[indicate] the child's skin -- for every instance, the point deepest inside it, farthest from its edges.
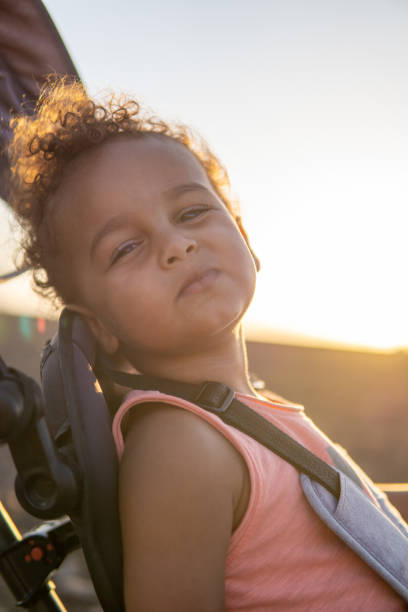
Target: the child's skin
(164, 274)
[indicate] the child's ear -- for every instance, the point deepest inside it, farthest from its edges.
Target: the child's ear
(106, 340)
(245, 237)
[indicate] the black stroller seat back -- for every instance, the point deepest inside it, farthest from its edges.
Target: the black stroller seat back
(79, 420)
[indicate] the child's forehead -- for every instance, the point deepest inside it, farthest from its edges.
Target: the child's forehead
(148, 160)
(125, 169)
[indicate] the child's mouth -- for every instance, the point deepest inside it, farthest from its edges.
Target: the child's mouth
(199, 282)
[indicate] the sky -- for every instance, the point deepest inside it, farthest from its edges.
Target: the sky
(306, 103)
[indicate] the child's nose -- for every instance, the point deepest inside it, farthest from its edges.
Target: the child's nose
(176, 249)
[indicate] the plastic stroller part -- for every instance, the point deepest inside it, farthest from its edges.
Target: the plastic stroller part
(45, 485)
(80, 423)
(27, 561)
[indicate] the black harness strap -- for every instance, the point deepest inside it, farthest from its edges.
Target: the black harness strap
(220, 400)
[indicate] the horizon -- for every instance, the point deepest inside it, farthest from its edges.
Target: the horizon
(252, 333)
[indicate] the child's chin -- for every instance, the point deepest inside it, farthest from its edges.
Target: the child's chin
(222, 325)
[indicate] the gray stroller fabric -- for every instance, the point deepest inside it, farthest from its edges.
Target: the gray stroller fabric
(375, 535)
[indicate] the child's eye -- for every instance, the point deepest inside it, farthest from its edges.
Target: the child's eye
(193, 213)
(124, 249)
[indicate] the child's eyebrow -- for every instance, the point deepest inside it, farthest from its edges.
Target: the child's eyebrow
(178, 190)
(113, 224)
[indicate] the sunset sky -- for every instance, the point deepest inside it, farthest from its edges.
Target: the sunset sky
(306, 103)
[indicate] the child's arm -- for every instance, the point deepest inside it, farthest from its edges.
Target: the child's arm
(180, 488)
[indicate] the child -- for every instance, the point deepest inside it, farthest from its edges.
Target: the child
(129, 221)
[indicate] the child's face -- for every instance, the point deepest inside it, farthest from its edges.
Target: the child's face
(158, 263)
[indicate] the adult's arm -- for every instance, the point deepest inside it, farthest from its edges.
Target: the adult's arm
(30, 49)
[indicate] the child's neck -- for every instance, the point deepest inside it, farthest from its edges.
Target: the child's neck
(227, 363)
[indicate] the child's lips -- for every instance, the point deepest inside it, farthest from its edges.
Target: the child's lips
(199, 282)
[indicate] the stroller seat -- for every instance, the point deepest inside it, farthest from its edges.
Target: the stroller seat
(79, 420)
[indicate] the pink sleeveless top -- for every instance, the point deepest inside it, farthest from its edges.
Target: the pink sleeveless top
(282, 557)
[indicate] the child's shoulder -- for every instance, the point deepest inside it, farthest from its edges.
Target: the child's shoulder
(170, 425)
(166, 439)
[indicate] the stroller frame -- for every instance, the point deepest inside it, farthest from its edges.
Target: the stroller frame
(63, 449)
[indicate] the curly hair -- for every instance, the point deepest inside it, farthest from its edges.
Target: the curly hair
(66, 123)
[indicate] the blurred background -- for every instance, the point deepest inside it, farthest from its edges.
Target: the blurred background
(307, 106)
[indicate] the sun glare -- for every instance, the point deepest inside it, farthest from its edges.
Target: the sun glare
(333, 255)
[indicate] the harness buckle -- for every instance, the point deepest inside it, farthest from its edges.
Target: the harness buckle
(215, 396)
